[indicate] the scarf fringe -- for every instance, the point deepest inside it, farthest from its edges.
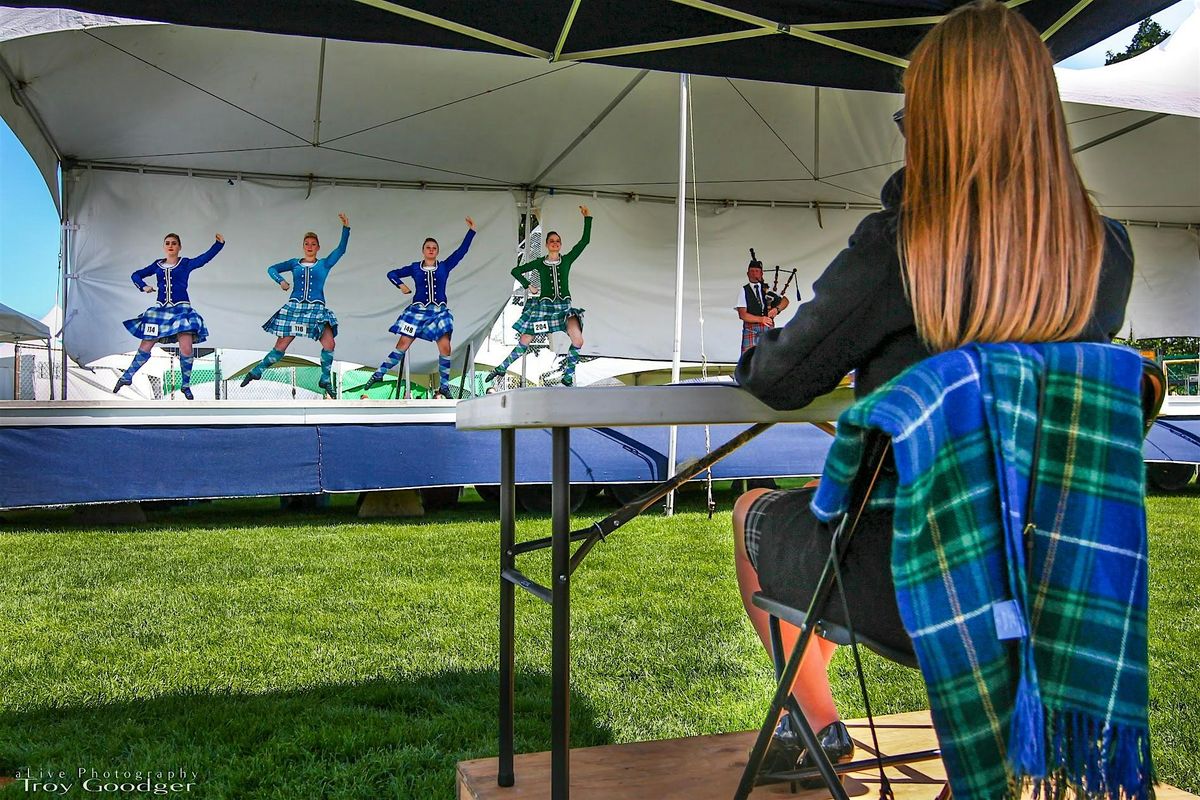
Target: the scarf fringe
(1090, 760)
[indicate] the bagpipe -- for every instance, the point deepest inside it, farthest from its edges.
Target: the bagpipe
(774, 296)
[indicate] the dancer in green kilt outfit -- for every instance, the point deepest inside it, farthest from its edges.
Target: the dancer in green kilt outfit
(552, 311)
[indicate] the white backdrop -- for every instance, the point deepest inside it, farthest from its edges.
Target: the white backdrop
(624, 279)
(123, 217)
(1166, 283)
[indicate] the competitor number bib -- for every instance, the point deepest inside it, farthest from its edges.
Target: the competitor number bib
(151, 329)
(541, 327)
(408, 329)
(299, 329)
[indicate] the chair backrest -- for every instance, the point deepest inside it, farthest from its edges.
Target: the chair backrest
(1154, 390)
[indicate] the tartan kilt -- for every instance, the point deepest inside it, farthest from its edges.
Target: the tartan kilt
(301, 318)
(429, 322)
(165, 323)
(750, 333)
(553, 313)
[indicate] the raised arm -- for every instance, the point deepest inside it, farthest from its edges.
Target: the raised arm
(202, 259)
(139, 277)
(585, 238)
(458, 254)
(340, 250)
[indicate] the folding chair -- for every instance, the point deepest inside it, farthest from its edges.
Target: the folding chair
(809, 621)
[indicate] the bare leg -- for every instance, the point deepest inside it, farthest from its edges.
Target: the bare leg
(811, 689)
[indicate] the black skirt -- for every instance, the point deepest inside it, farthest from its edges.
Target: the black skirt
(788, 546)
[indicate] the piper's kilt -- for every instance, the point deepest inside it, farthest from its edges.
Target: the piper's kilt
(428, 322)
(546, 315)
(301, 318)
(165, 323)
(750, 333)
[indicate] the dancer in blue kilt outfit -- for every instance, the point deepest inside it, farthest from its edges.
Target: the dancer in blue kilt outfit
(427, 316)
(172, 318)
(305, 313)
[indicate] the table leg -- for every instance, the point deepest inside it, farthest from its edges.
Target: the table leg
(560, 705)
(508, 524)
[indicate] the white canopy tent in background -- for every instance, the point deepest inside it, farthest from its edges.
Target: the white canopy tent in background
(18, 327)
(156, 120)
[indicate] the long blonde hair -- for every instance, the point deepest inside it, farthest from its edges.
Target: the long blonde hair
(999, 240)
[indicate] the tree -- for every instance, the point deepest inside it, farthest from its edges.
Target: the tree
(1148, 34)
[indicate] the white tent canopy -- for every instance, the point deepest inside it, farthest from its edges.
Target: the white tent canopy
(1165, 78)
(17, 327)
(154, 122)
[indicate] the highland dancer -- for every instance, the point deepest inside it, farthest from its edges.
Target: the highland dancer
(427, 316)
(552, 311)
(172, 318)
(305, 314)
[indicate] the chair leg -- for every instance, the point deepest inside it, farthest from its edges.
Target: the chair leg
(782, 695)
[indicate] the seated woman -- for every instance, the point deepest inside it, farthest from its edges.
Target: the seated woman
(986, 235)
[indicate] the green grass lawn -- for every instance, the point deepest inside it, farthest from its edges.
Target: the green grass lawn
(289, 655)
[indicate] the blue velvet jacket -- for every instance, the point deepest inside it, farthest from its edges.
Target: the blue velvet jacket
(431, 283)
(173, 281)
(308, 280)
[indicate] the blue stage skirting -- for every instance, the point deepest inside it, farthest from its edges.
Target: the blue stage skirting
(53, 465)
(1173, 439)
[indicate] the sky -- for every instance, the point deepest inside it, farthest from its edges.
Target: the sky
(29, 223)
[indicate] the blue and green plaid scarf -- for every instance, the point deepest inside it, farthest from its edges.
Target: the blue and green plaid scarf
(1035, 659)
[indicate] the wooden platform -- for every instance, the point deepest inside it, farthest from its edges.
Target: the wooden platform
(708, 768)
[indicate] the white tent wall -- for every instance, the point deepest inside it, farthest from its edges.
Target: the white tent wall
(624, 280)
(122, 218)
(1166, 283)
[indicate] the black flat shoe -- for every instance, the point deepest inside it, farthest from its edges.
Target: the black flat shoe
(838, 746)
(187, 392)
(121, 384)
(249, 376)
(787, 751)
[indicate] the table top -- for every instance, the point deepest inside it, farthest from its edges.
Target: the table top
(620, 406)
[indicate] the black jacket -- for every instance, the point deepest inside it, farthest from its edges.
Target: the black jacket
(860, 317)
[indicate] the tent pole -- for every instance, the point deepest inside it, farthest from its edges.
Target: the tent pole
(681, 205)
(64, 261)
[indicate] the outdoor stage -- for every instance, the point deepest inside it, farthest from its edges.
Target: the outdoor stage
(65, 453)
(708, 768)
